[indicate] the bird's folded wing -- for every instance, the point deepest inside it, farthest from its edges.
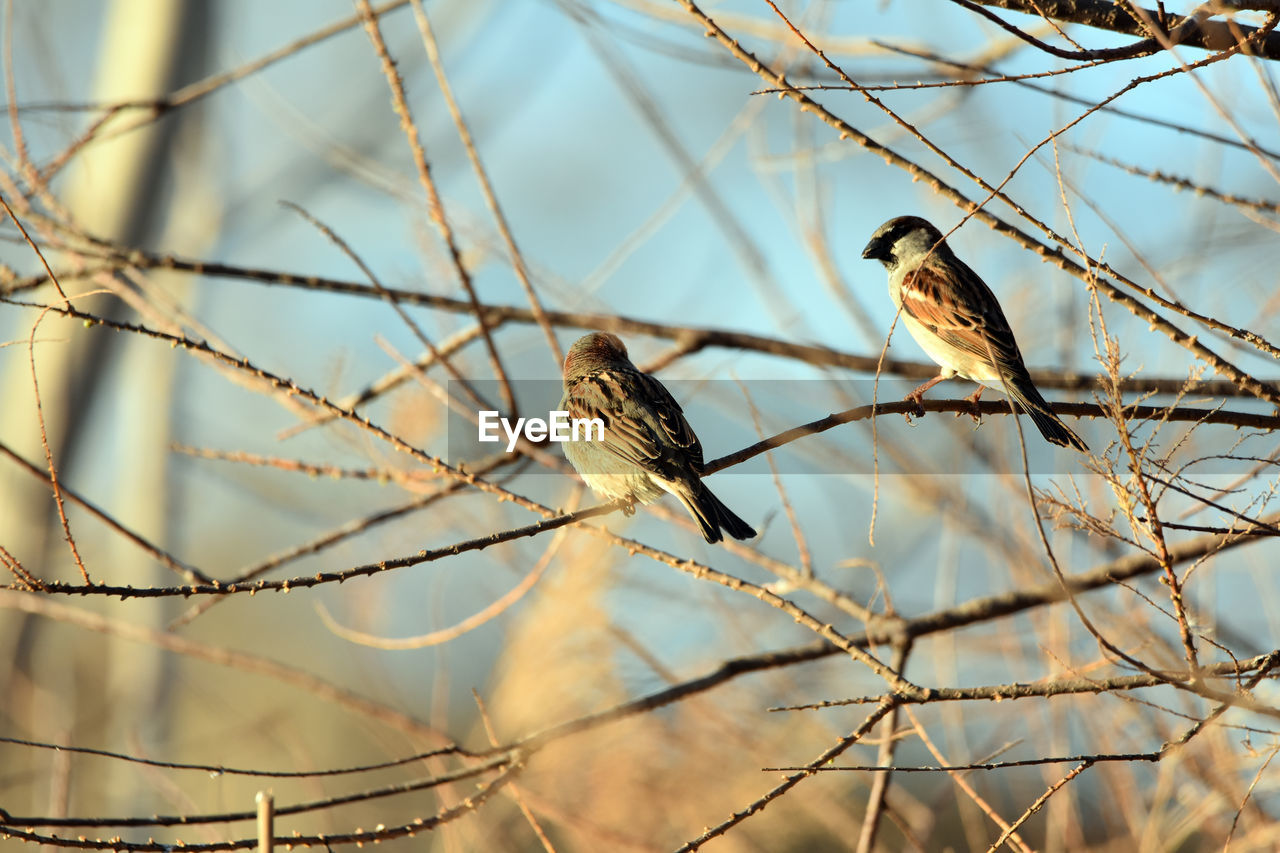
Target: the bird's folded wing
(643, 423)
(670, 417)
(962, 312)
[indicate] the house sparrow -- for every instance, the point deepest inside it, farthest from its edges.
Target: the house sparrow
(956, 319)
(648, 447)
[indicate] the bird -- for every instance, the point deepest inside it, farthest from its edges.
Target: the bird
(648, 447)
(957, 321)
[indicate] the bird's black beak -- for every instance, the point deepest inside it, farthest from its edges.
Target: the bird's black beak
(877, 250)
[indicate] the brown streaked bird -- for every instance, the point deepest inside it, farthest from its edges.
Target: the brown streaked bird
(649, 448)
(957, 321)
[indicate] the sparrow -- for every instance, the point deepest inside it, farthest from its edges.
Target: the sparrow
(648, 447)
(957, 321)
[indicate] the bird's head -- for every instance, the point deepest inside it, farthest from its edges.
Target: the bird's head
(592, 352)
(901, 238)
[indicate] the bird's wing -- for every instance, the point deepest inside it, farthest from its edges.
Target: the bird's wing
(670, 418)
(643, 423)
(961, 310)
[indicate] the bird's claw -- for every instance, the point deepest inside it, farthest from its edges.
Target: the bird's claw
(976, 411)
(917, 404)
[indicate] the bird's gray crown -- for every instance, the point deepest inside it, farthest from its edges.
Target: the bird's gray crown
(902, 237)
(592, 352)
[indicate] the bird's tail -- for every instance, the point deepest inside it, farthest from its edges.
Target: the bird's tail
(1049, 424)
(711, 513)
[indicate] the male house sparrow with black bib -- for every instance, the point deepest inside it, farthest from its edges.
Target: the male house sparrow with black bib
(648, 447)
(955, 318)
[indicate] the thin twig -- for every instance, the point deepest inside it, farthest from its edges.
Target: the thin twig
(486, 188)
(435, 206)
